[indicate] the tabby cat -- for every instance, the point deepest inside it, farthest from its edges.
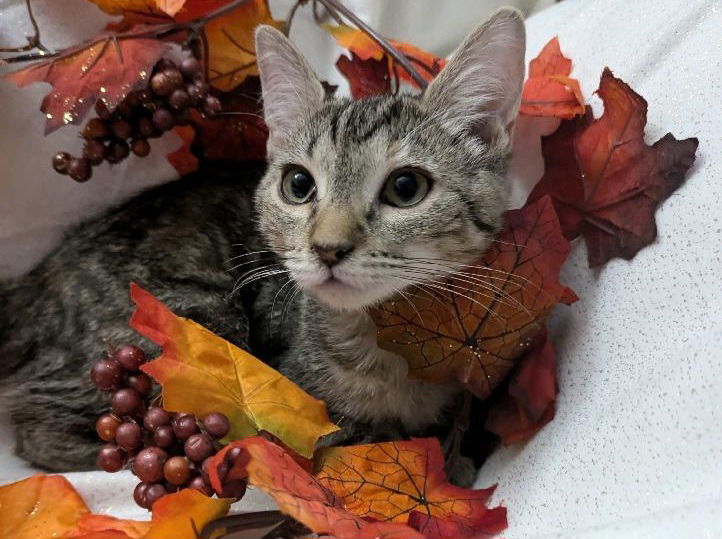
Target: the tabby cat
(360, 200)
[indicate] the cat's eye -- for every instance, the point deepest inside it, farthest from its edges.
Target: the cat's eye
(405, 188)
(298, 186)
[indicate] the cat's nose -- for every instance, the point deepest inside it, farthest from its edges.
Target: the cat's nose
(332, 254)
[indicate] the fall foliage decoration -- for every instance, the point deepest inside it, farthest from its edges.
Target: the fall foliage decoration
(224, 419)
(549, 90)
(225, 379)
(404, 481)
(475, 336)
(605, 181)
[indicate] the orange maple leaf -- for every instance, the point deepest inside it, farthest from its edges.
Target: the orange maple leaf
(202, 373)
(107, 527)
(549, 90)
(473, 328)
(365, 48)
(605, 181)
(278, 472)
(105, 68)
(184, 513)
(390, 481)
(39, 507)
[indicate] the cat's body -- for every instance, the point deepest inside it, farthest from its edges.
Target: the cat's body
(360, 201)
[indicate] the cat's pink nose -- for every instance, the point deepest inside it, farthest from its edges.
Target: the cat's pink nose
(332, 254)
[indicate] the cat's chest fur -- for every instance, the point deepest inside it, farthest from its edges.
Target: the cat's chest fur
(336, 359)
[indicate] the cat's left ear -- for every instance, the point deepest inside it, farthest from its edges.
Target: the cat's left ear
(291, 90)
(479, 90)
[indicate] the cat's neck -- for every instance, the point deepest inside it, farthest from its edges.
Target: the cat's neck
(336, 358)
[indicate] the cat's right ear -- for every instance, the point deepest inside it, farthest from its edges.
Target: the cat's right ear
(290, 87)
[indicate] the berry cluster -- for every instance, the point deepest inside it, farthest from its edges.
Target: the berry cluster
(166, 451)
(143, 114)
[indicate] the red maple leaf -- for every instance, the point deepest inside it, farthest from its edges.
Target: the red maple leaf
(531, 398)
(105, 68)
(277, 471)
(475, 337)
(365, 77)
(605, 181)
(549, 90)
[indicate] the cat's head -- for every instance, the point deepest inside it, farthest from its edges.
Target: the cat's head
(362, 199)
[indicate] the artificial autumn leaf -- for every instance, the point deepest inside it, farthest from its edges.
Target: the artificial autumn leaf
(531, 399)
(475, 335)
(107, 527)
(183, 159)
(105, 68)
(149, 7)
(388, 481)
(365, 77)
(239, 133)
(202, 373)
(605, 181)
(298, 494)
(365, 48)
(184, 513)
(549, 90)
(231, 43)
(39, 507)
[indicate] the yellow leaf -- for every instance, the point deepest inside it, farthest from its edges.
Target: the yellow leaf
(39, 507)
(107, 527)
(202, 373)
(231, 45)
(183, 514)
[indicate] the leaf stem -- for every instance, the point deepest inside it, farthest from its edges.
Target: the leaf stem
(335, 7)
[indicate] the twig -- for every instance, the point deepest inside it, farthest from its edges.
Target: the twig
(34, 40)
(335, 7)
(158, 31)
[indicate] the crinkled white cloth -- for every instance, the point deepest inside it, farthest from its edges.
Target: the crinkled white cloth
(636, 447)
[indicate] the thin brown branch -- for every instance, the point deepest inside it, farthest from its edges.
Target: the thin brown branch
(33, 40)
(335, 6)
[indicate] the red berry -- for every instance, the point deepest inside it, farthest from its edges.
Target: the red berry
(111, 458)
(154, 493)
(177, 470)
(139, 494)
(130, 357)
(184, 425)
(198, 447)
(140, 147)
(232, 455)
(216, 424)
(94, 151)
(141, 383)
(106, 426)
(190, 67)
(156, 417)
(96, 129)
(129, 436)
(116, 151)
(106, 374)
(163, 119)
(79, 170)
(179, 99)
(148, 464)
(145, 127)
(163, 436)
(61, 160)
(126, 401)
(121, 129)
(212, 106)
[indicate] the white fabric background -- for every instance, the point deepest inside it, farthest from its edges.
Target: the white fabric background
(636, 447)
